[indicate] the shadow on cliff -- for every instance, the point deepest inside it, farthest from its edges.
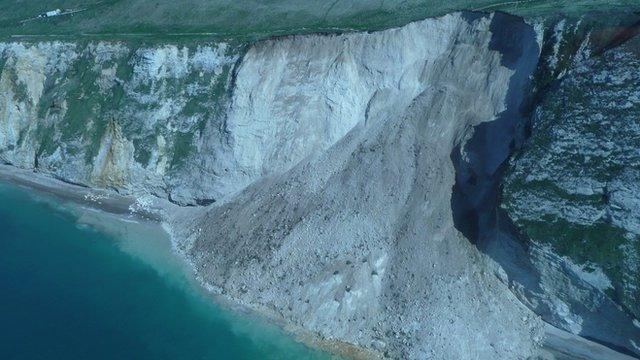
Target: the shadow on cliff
(480, 164)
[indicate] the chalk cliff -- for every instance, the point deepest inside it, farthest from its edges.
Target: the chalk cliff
(357, 243)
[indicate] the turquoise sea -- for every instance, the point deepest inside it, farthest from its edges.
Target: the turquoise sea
(76, 284)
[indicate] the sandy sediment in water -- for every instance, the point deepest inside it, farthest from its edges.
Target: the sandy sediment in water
(127, 216)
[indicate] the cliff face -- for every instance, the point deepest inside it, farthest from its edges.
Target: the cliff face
(357, 243)
(189, 124)
(573, 191)
(110, 115)
(184, 123)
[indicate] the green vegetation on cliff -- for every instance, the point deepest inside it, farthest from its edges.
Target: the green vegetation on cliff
(253, 19)
(575, 185)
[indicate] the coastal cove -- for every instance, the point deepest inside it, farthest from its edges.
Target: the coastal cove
(80, 283)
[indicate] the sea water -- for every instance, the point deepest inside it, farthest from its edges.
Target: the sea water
(79, 284)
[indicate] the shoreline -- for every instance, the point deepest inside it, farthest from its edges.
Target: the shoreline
(101, 199)
(306, 337)
(154, 211)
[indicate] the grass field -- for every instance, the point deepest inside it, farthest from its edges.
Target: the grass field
(252, 19)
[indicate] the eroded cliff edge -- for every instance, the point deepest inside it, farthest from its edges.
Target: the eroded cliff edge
(330, 162)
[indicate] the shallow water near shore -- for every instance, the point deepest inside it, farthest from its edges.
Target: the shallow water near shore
(80, 284)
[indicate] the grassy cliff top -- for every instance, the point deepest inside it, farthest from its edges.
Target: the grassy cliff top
(250, 19)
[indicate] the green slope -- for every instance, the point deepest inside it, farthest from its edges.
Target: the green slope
(251, 19)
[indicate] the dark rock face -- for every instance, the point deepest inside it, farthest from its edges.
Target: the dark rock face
(574, 191)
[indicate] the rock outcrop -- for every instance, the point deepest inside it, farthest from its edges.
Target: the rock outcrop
(573, 193)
